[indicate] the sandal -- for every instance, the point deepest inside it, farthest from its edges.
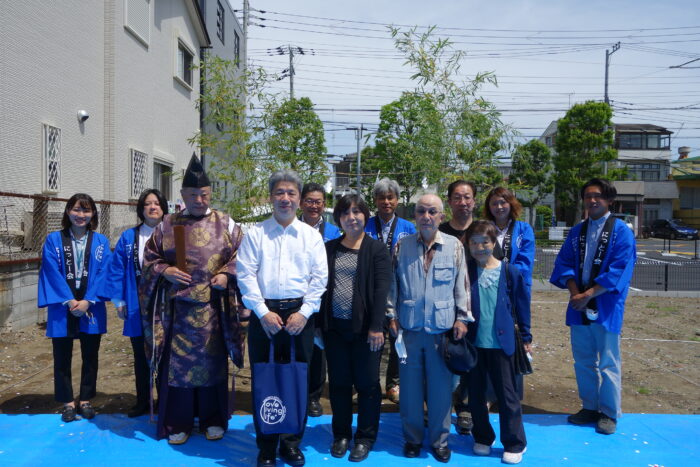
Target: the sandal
(214, 433)
(178, 438)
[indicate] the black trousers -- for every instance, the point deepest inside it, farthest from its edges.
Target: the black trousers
(317, 373)
(141, 371)
(392, 368)
(494, 364)
(352, 363)
(62, 360)
(259, 351)
(205, 402)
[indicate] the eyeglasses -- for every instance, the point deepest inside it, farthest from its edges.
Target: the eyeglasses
(462, 198)
(313, 202)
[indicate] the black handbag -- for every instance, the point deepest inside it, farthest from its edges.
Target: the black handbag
(521, 361)
(459, 354)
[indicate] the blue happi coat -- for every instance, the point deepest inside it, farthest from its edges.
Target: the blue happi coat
(121, 281)
(54, 290)
(403, 229)
(615, 274)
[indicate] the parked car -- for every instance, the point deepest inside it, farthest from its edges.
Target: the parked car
(673, 229)
(627, 219)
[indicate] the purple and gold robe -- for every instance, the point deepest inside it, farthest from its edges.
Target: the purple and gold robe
(195, 327)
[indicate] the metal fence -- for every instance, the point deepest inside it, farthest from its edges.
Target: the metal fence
(25, 220)
(649, 274)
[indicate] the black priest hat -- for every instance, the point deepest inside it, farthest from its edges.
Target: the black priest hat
(195, 176)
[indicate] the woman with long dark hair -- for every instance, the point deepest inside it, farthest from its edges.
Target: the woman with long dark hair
(72, 263)
(121, 287)
(352, 318)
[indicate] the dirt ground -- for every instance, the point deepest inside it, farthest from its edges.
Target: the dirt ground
(660, 354)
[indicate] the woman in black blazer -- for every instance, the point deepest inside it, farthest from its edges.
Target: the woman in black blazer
(352, 318)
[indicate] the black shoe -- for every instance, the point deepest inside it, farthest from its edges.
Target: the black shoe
(442, 454)
(266, 459)
(86, 411)
(359, 452)
(315, 408)
(464, 424)
(606, 425)
(584, 417)
(411, 450)
(68, 414)
(137, 410)
(292, 456)
(339, 447)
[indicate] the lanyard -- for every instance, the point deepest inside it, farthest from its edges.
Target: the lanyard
(380, 235)
(600, 251)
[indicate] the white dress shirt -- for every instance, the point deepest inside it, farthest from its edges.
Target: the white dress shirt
(276, 262)
(145, 233)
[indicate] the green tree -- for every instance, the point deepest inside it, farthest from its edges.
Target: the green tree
(409, 142)
(474, 134)
(532, 173)
(236, 103)
(295, 139)
(584, 149)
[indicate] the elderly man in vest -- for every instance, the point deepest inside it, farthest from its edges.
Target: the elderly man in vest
(430, 296)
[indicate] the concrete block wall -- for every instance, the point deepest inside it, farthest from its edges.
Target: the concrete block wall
(18, 297)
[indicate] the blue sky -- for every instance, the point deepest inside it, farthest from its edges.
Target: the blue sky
(546, 55)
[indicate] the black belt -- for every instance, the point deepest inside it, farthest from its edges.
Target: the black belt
(284, 304)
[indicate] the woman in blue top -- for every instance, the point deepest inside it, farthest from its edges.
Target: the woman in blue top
(72, 264)
(516, 239)
(123, 274)
(497, 291)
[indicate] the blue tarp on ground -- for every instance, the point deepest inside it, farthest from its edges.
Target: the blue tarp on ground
(115, 440)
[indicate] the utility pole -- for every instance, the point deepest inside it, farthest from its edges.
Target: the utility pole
(291, 71)
(358, 135)
(615, 48)
(246, 18)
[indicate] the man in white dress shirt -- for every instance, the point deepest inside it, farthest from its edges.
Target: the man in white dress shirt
(282, 274)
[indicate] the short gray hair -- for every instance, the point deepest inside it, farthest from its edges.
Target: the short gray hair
(285, 175)
(385, 185)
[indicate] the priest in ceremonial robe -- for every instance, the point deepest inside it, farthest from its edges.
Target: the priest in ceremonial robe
(190, 315)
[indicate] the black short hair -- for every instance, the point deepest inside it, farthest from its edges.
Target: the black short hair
(346, 202)
(86, 202)
(607, 189)
(141, 203)
(451, 187)
(311, 187)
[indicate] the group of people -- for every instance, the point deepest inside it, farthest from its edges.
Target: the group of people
(334, 296)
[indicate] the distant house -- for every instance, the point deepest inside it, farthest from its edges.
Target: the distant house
(686, 173)
(645, 150)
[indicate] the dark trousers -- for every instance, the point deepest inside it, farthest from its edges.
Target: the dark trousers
(206, 402)
(352, 363)
(141, 371)
(62, 359)
(259, 351)
(392, 368)
(317, 373)
(460, 396)
(494, 364)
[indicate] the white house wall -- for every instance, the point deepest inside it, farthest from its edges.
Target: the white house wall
(51, 66)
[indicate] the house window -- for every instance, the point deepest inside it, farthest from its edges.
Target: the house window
(220, 21)
(137, 19)
(689, 198)
(52, 158)
(138, 172)
(644, 171)
(185, 59)
(237, 48)
(162, 178)
(629, 141)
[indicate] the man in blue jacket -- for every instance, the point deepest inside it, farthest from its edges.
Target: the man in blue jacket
(389, 228)
(596, 263)
(313, 204)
